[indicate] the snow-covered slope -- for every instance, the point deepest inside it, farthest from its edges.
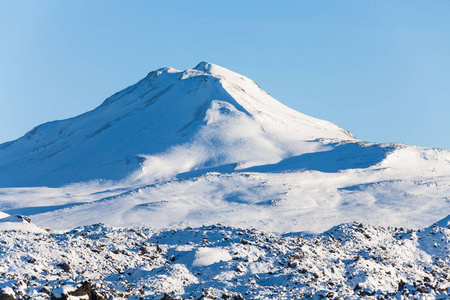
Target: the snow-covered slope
(169, 122)
(207, 145)
(350, 261)
(184, 149)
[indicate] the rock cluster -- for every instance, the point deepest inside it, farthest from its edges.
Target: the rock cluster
(350, 261)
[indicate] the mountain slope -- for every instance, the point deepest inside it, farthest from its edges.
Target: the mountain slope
(208, 146)
(174, 121)
(206, 169)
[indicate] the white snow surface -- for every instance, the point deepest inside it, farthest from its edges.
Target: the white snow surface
(350, 261)
(207, 256)
(206, 146)
(171, 122)
(18, 222)
(215, 190)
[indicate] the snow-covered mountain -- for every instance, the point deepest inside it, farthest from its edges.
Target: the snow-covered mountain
(174, 155)
(207, 145)
(169, 122)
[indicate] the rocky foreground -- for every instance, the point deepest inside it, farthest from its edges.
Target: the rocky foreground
(350, 261)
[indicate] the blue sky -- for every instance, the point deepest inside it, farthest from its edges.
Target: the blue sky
(380, 69)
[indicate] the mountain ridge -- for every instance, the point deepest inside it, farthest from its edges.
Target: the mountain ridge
(179, 104)
(186, 148)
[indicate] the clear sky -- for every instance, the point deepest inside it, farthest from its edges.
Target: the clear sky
(380, 69)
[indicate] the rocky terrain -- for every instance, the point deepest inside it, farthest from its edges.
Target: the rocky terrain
(349, 261)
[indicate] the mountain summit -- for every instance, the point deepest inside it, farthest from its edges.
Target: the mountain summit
(169, 122)
(206, 146)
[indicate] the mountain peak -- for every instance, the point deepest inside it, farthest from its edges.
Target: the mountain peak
(209, 68)
(170, 122)
(203, 66)
(215, 70)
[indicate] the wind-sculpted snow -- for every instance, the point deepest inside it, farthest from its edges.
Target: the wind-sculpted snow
(281, 202)
(207, 145)
(339, 157)
(350, 261)
(168, 123)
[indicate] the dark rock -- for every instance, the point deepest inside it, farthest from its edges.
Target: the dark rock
(30, 259)
(65, 266)
(85, 289)
(167, 297)
(6, 296)
(143, 250)
(401, 285)
(23, 218)
(422, 289)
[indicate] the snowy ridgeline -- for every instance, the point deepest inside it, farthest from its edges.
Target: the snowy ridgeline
(349, 261)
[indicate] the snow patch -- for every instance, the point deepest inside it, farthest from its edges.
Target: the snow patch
(207, 256)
